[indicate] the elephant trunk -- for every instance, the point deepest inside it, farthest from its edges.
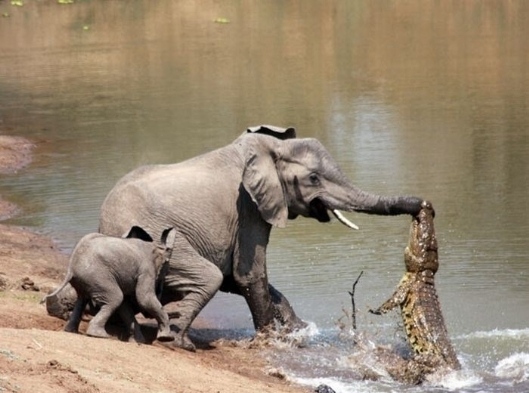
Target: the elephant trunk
(388, 206)
(341, 195)
(346, 197)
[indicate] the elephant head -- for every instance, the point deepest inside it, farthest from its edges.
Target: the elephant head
(291, 177)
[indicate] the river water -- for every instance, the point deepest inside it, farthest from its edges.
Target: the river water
(426, 98)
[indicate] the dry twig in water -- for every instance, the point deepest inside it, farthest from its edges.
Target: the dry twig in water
(352, 294)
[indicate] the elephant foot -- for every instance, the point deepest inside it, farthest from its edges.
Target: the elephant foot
(138, 337)
(97, 332)
(279, 327)
(294, 325)
(182, 340)
(185, 342)
(284, 316)
(71, 329)
(165, 336)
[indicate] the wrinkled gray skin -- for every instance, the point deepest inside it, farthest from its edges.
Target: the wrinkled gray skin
(105, 270)
(224, 204)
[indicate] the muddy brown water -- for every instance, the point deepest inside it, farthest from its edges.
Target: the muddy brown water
(425, 98)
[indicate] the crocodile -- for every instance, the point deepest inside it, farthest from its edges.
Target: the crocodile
(420, 308)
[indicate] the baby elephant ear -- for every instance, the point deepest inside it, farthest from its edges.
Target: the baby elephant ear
(278, 132)
(261, 181)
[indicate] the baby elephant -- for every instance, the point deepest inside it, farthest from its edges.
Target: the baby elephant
(106, 269)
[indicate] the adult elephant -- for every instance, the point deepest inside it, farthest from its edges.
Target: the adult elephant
(223, 205)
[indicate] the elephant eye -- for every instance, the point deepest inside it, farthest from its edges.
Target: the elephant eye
(314, 179)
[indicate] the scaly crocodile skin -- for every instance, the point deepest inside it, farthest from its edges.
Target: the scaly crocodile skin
(417, 298)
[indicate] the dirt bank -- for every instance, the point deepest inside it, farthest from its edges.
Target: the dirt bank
(37, 356)
(15, 154)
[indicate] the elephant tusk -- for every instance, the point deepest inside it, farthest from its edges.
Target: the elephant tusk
(344, 220)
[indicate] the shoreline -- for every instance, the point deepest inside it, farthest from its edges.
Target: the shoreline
(16, 153)
(36, 355)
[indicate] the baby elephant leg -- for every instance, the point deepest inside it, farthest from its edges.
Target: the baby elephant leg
(126, 314)
(149, 303)
(75, 317)
(96, 327)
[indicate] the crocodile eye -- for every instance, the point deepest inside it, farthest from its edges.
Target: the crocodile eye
(314, 179)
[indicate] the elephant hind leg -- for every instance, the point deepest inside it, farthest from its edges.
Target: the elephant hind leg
(197, 279)
(96, 327)
(150, 304)
(75, 317)
(126, 314)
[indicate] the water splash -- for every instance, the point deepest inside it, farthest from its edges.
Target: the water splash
(514, 368)
(287, 340)
(454, 380)
(498, 333)
(338, 386)
(345, 361)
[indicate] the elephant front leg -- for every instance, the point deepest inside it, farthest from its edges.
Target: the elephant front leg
(266, 303)
(269, 308)
(259, 301)
(283, 311)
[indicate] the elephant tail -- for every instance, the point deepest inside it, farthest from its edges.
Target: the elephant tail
(67, 279)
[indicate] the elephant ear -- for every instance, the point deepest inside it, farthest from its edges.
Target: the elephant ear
(137, 232)
(168, 238)
(262, 182)
(277, 132)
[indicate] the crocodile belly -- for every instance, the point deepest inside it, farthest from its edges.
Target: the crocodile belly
(425, 327)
